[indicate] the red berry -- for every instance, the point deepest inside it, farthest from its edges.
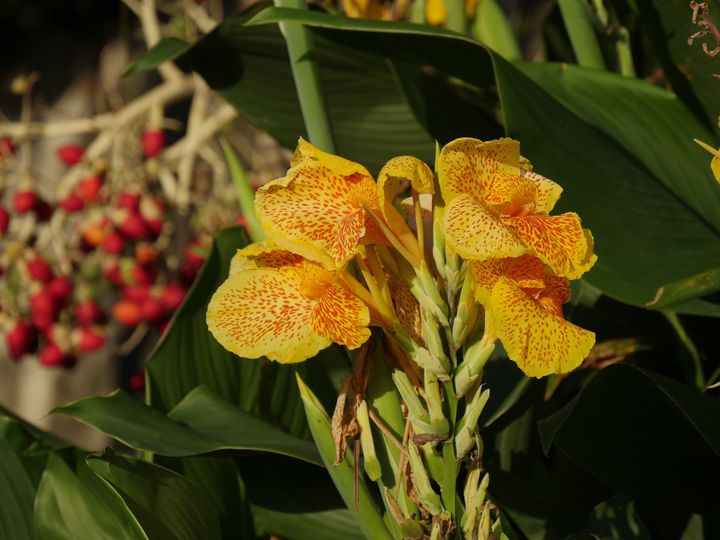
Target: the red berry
(129, 201)
(39, 269)
(137, 381)
(71, 204)
(172, 296)
(51, 355)
(145, 254)
(89, 187)
(21, 339)
(4, 220)
(188, 273)
(24, 201)
(127, 312)
(155, 227)
(43, 321)
(138, 293)
(133, 227)
(88, 312)
(113, 243)
(60, 287)
(152, 310)
(94, 233)
(7, 147)
(153, 141)
(70, 154)
(193, 258)
(43, 303)
(143, 275)
(89, 340)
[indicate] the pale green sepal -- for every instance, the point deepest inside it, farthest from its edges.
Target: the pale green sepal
(465, 438)
(421, 481)
(440, 424)
(370, 460)
(467, 374)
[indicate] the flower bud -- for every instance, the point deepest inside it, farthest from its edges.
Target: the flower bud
(469, 371)
(420, 479)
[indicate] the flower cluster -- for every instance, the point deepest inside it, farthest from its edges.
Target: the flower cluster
(340, 257)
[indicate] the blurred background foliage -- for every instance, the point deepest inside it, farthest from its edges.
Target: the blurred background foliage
(606, 99)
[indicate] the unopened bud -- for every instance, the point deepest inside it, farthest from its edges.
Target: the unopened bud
(476, 356)
(421, 481)
(465, 438)
(372, 464)
(434, 402)
(417, 414)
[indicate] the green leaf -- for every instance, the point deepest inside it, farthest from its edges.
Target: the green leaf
(68, 507)
(165, 50)
(367, 514)
(627, 424)
(199, 424)
(188, 355)
(683, 290)
(167, 505)
(688, 68)
(243, 190)
(18, 494)
(322, 525)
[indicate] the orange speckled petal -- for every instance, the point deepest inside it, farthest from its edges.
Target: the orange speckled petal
(306, 153)
(509, 194)
(476, 234)
(341, 317)
(538, 341)
(547, 192)
(310, 210)
(262, 255)
(715, 167)
(466, 165)
(527, 271)
(263, 312)
(559, 241)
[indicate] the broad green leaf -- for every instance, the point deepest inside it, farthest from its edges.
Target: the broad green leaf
(68, 507)
(323, 525)
(165, 50)
(167, 505)
(690, 71)
(17, 494)
(614, 518)
(366, 512)
(188, 355)
(199, 424)
(627, 424)
(678, 292)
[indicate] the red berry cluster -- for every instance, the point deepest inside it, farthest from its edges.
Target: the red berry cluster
(120, 271)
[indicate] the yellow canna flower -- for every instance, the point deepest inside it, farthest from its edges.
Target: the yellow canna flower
(368, 9)
(524, 299)
(320, 209)
(496, 208)
(278, 304)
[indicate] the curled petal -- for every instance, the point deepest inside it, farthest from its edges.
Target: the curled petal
(407, 308)
(262, 255)
(527, 271)
(474, 233)
(547, 192)
(306, 153)
(341, 317)
(317, 212)
(466, 165)
(263, 312)
(540, 341)
(559, 241)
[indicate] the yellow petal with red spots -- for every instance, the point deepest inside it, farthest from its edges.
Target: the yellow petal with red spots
(474, 233)
(307, 153)
(539, 340)
(559, 241)
(262, 255)
(547, 192)
(341, 317)
(527, 271)
(318, 213)
(465, 166)
(263, 312)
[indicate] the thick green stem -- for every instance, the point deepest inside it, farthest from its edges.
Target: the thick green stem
(456, 19)
(307, 79)
(576, 15)
(492, 27)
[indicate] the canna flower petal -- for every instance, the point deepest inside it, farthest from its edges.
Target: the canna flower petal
(496, 207)
(318, 209)
(279, 305)
(525, 305)
(474, 233)
(559, 241)
(535, 337)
